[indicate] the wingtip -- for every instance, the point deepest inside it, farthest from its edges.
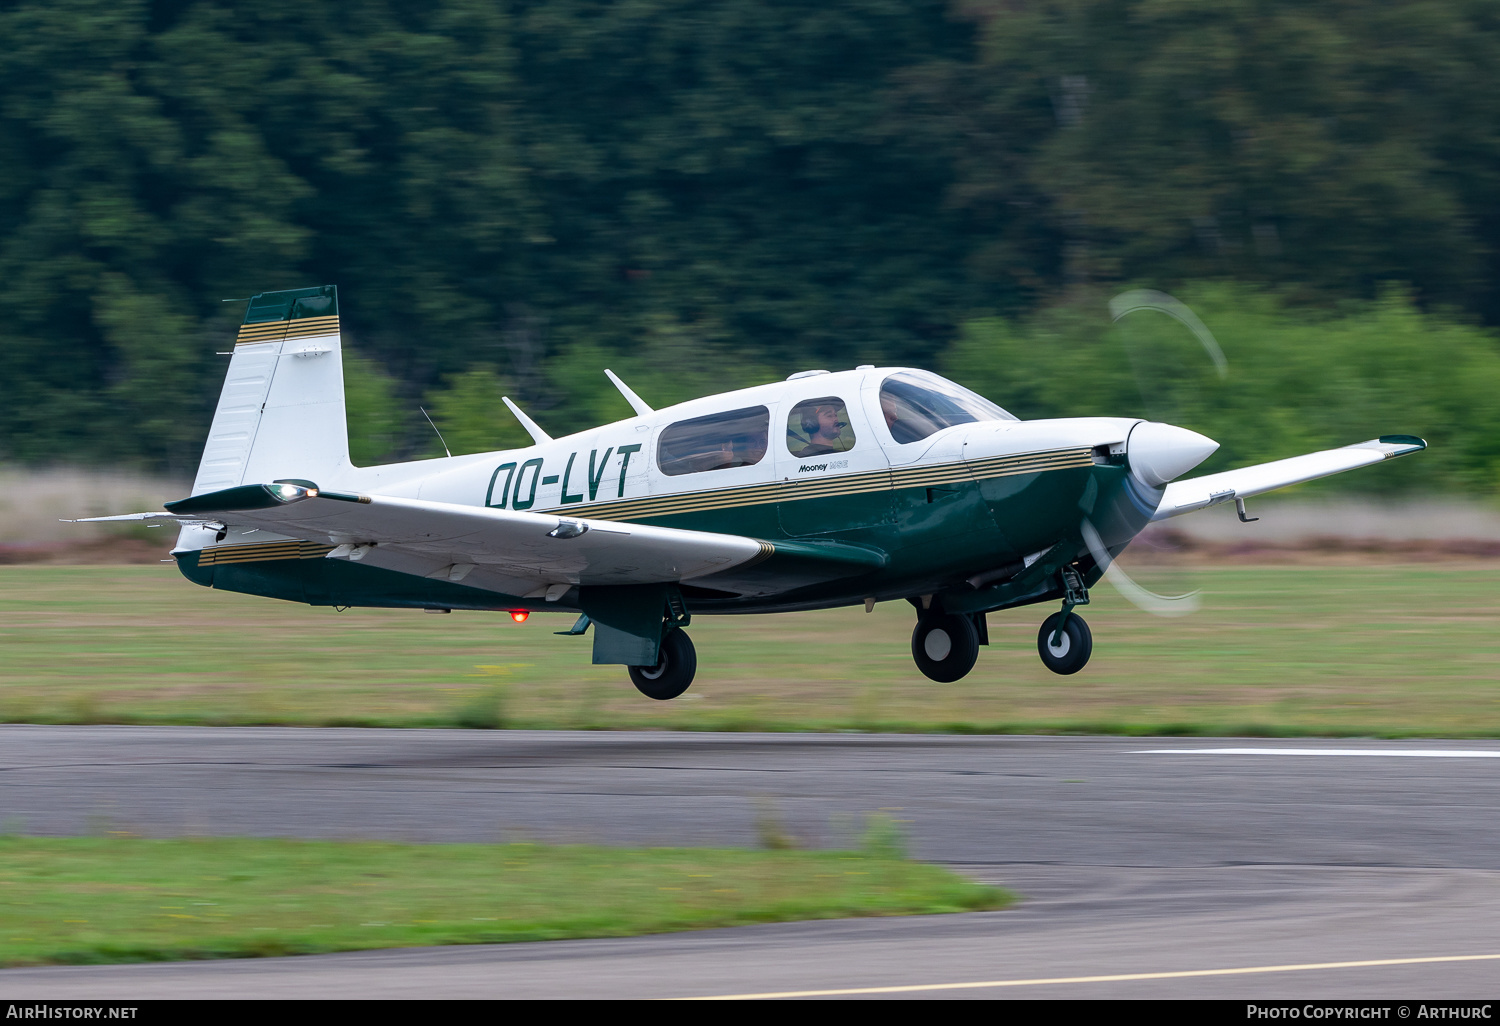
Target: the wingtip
(1412, 442)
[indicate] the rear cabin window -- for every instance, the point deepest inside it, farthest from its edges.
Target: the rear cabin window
(716, 442)
(916, 404)
(818, 427)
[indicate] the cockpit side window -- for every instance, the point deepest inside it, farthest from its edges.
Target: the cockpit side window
(817, 427)
(719, 441)
(916, 404)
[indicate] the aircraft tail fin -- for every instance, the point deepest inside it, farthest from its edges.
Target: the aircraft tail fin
(281, 412)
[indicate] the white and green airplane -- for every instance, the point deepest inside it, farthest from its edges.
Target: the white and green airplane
(826, 489)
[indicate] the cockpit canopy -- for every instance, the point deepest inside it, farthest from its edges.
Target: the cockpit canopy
(917, 404)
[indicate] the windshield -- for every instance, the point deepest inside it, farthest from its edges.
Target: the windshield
(916, 404)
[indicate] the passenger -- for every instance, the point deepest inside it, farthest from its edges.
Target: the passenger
(737, 451)
(824, 426)
(753, 448)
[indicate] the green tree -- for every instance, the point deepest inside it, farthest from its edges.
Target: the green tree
(469, 413)
(1296, 381)
(1335, 145)
(375, 422)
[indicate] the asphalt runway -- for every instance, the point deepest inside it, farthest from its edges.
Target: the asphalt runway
(1246, 872)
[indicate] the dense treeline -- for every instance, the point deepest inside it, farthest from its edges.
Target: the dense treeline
(512, 194)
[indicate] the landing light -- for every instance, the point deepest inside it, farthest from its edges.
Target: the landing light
(519, 615)
(568, 529)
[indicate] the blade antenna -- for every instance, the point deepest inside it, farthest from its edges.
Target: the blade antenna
(636, 402)
(537, 434)
(439, 433)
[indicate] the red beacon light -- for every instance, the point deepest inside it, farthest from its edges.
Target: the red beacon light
(519, 615)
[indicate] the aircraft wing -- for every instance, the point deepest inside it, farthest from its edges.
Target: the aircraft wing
(1197, 493)
(418, 535)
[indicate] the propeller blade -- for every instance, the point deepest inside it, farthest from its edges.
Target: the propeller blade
(1141, 598)
(1150, 299)
(1174, 388)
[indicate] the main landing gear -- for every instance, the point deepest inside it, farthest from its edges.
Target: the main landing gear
(945, 646)
(675, 665)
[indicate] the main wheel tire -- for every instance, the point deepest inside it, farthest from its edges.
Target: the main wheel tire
(1071, 652)
(676, 663)
(945, 646)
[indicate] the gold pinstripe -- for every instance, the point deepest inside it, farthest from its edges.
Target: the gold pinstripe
(851, 484)
(221, 554)
(275, 331)
(767, 550)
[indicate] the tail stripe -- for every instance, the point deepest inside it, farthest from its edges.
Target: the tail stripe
(275, 331)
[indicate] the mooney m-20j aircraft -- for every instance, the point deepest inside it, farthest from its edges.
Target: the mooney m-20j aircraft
(826, 489)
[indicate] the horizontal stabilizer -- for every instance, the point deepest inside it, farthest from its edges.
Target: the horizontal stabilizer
(124, 518)
(1212, 489)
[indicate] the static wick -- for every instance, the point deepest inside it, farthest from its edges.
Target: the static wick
(439, 433)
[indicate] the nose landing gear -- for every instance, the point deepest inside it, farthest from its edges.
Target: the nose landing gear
(1065, 641)
(1067, 650)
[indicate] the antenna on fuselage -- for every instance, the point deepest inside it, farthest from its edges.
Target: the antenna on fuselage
(438, 433)
(537, 434)
(636, 402)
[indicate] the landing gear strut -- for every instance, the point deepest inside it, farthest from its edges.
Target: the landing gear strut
(676, 663)
(1065, 641)
(945, 646)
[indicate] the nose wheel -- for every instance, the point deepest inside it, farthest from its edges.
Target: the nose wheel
(1067, 650)
(945, 646)
(676, 663)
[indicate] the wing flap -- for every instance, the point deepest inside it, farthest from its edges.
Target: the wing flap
(1197, 493)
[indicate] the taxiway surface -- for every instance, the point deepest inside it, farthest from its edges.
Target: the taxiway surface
(1148, 858)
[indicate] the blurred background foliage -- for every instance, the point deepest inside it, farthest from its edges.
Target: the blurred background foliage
(513, 194)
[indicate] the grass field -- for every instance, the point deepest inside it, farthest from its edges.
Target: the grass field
(118, 899)
(1366, 649)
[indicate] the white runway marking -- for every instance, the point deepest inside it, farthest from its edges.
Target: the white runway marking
(1114, 978)
(1404, 753)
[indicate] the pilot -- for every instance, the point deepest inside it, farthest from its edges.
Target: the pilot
(824, 427)
(902, 431)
